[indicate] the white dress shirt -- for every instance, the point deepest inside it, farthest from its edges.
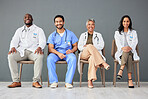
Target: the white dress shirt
(29, 38)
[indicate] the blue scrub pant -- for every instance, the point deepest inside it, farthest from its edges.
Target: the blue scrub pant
(51, 61)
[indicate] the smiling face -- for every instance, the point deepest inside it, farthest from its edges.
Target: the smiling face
(126, 22)
(28, 20)
(59, 23)
(90, 26)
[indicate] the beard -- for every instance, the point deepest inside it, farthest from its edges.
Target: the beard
(28, 23)
(60, 27)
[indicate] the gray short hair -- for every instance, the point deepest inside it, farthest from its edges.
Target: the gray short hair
(90, 20)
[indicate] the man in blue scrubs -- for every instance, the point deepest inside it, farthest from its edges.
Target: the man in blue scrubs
(62, 44)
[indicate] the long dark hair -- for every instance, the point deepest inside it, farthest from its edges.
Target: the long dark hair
(121, 27)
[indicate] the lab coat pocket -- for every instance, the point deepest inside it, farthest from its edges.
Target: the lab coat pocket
(130, 38)
(34, 37)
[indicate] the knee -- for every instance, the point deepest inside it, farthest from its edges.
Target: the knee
(50, 58)
(40, 56)
(10, 57)
(73, 58)
(90, 46)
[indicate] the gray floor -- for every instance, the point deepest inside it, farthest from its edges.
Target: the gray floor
(99, 92)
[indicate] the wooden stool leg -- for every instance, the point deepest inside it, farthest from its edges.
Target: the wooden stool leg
(115, 69)
(135, 73)
(81, 67)
(104, 77)
(48, 78)
(101, 75)
(138, 74)
(41, 80)
(21, 65)
(72, 82)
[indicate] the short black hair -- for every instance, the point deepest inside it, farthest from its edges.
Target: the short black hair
(59, 16)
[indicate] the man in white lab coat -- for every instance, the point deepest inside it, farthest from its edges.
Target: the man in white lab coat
(27, 43)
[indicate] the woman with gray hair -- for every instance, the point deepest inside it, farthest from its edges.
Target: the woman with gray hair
(90, 45)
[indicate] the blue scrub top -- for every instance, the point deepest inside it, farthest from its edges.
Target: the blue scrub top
(62, 44)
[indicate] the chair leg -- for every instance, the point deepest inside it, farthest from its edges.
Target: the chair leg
(41, 80)
(135, 73)
(81, 67)
(72, 82)
(104, 77)
(138, 74)
(101, 75)
(21, 65)
(115, 69)
(48, 78)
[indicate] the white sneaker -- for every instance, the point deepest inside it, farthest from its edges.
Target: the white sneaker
(69, 86)
(54, 85)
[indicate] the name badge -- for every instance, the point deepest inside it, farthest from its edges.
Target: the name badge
(69, 43)
(34, 35)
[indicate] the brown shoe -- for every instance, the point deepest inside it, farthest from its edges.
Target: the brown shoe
(36, 85)
(15, 84)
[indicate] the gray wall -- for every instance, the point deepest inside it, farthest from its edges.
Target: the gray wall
(107, 14)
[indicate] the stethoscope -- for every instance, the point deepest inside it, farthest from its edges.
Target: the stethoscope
(65, 36)
(23, 34)
(25, 29)
(94, 38)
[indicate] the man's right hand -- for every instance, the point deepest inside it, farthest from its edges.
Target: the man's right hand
(12, 50)
(61, 55)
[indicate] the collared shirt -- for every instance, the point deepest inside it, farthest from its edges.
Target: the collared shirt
(62, 44)
(29, 38)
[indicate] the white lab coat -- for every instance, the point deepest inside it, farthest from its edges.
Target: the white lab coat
(98, 42)
(28, 38)
(132, 41)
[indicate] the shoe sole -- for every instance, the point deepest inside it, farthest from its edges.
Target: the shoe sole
(36, 87)
(14, 87)
(68, 87)
(119, 77)
(90, 87)
(130, 86)
(54, 86)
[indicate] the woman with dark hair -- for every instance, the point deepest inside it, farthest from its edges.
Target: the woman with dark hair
(126, 41)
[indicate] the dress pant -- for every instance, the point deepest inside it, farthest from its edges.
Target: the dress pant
(126, 59)
(95, 59)
(28, 55)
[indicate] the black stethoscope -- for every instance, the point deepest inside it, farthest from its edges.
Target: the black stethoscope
(94, 38)
(24, 29)
(65, 36)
